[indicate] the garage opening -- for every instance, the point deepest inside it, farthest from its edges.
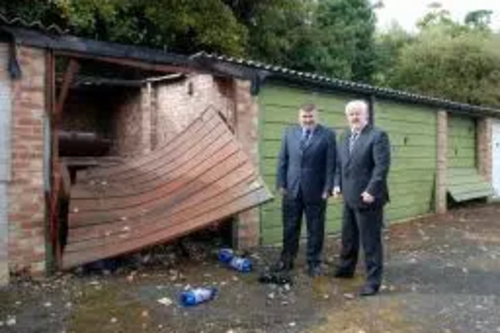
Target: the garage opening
(117, 190)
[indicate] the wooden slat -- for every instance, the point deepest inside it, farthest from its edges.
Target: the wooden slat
(155, 236)
(143, 182)
(200, 177)
(108, 214)
(130, 63)
(69, 75)
(466, 184)
(176, 217)
(198, 196)
(174, 148)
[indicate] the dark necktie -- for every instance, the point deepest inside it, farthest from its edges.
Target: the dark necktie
(352, 140)
(305, 138)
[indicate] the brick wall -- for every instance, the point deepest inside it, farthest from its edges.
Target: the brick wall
(129, 124)
(178, 104)
(87, 111)
(247, 126)
(26, 190)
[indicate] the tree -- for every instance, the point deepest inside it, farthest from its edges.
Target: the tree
(338, 41)
(388, 46)
(479, 19)
(177, 25)
(274, 27)
(462, 66)
(332, 37)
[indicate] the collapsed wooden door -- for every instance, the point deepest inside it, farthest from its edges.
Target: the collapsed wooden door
(198, 178)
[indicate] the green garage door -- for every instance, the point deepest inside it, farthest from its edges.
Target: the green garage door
(463, 179)
(278, 109)
(412, 131)
(461, 142)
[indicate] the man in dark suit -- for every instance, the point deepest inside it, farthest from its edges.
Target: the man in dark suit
(361, 176)
(305, 180)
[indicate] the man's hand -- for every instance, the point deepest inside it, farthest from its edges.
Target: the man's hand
(337, 192)
(283, 191)
(326, 195)
(367, 197)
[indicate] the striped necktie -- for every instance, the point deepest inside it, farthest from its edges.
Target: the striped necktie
(352, 140)
(305, 138)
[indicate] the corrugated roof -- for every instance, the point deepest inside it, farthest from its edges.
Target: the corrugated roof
(36, 25)
(95, 48)
(337, 84)
(37, 34)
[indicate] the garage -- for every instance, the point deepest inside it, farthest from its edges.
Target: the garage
(279, 106)
(464, 182)
(412, 131)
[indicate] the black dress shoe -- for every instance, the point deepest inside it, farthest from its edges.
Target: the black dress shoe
(368, 290)
(340, 274)
(314, 271)
(279, 278)
(281, 266)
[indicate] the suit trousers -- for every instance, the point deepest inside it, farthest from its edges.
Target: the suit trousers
(365, 225)
(293, 208)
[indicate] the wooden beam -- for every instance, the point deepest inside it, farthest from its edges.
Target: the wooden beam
(133, 63)
(52, 218)
(69, 76)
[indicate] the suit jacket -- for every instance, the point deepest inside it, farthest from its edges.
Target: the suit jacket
(309, 168)
(365, 168)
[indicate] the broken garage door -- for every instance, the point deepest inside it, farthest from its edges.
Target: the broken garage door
(199, 177)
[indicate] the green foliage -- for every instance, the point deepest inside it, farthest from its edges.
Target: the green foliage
(274, 26)
(479, 19)
(333, 37)
(388, 46)
(339, 40)
(183, 26)
(444, 58)
(463, 65)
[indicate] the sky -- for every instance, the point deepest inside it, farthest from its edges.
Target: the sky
(407, 12)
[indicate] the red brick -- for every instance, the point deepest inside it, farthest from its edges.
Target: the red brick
(26, 198)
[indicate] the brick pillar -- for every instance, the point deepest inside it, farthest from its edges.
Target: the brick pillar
(4, 236)
(441, 170)
(484, 149)
(5, 116)
(246, 119)
(26, 189)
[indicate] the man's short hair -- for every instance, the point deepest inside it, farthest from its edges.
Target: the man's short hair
(358, 104)
(308, 107)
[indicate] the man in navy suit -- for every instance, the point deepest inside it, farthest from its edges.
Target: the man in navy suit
(361, 176)
(305, 175)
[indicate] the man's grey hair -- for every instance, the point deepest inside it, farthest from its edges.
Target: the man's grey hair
(358, 104)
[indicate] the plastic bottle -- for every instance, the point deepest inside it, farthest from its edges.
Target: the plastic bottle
(197, 296)
(226, 255)
(241, 264)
